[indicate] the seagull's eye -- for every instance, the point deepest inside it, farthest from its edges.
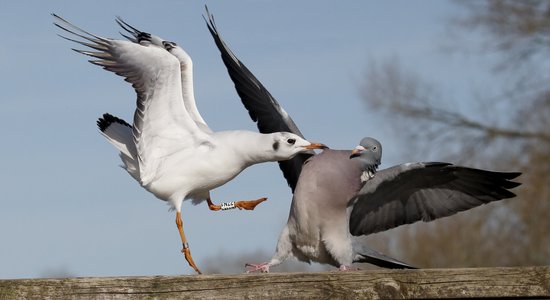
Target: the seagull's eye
(168, 45)
(291, 141)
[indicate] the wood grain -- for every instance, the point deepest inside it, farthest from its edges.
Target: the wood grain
(520, 282)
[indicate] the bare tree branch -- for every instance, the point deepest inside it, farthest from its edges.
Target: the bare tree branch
(511, 133)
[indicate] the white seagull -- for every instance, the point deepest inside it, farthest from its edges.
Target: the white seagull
(169, 149)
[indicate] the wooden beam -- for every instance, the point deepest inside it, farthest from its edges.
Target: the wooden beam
(520, 282)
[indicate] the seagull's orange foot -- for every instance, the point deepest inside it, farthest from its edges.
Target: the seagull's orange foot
(187, 253)
(249, 205)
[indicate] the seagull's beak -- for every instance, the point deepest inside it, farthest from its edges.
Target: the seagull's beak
(313, 146)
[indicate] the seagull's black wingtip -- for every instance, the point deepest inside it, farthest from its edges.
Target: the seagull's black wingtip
(107, 119)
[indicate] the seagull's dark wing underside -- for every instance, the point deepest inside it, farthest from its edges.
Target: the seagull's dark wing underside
(412, 192)
(262, 107)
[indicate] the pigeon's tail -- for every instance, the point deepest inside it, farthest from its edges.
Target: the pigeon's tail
(378, 259)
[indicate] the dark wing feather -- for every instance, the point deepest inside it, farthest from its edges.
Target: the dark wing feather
(409, 193)
(262, 107)
(376, 258)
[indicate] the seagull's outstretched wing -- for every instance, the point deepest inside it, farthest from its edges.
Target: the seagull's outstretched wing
(161, 126)
(412, 192)
(138, 36)
(262, 107)
(141, 37)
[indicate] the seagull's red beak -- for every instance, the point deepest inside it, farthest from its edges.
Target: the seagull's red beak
(313, 146)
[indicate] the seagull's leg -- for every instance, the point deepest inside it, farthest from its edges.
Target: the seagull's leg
(212, 206)
(186, 251)
(248, 205)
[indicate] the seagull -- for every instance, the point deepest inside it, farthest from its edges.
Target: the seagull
(169, 149)
(340, 195)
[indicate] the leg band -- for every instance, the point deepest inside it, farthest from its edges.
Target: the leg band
(228, 205)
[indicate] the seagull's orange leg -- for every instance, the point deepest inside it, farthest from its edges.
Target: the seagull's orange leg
(212, 206)
(248, 205)
(186, 251)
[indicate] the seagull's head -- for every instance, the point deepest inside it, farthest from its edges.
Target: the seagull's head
(369, 153)
(286, 145)
(177, 51)
(145, 38)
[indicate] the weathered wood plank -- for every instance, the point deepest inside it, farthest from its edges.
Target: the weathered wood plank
(521, 282)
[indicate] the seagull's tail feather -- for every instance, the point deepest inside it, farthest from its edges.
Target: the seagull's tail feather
(119, 133)
(381, 260)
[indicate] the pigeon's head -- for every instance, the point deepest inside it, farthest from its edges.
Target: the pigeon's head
(369, 153)
(286, 145)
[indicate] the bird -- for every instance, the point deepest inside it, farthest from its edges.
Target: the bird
(340, 195)
(169, 149)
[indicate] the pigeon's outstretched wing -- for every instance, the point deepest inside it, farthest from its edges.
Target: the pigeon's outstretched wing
(412, 192)
(262, 107)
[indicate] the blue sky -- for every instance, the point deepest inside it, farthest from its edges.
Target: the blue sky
(65, 203)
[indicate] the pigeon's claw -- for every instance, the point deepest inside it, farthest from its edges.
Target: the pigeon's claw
(263, 267)
(344, 268)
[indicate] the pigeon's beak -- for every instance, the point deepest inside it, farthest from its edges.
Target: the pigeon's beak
(313, 146)
(355, 152)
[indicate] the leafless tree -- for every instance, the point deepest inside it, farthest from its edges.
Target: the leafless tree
(505, 130)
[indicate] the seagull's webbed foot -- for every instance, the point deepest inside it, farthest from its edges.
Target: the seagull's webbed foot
(186, 251)
(249, 205)
(263, 267)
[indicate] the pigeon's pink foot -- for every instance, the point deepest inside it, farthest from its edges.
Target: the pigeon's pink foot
(344, 268)
(263, 267)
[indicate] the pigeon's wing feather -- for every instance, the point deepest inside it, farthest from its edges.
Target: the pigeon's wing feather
(376, 258)
(262, 107)
(412, 192)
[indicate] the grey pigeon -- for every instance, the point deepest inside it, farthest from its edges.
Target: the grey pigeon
(341, 194)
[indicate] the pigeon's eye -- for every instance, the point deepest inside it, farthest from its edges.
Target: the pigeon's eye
(374, 148)
(291, 141)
